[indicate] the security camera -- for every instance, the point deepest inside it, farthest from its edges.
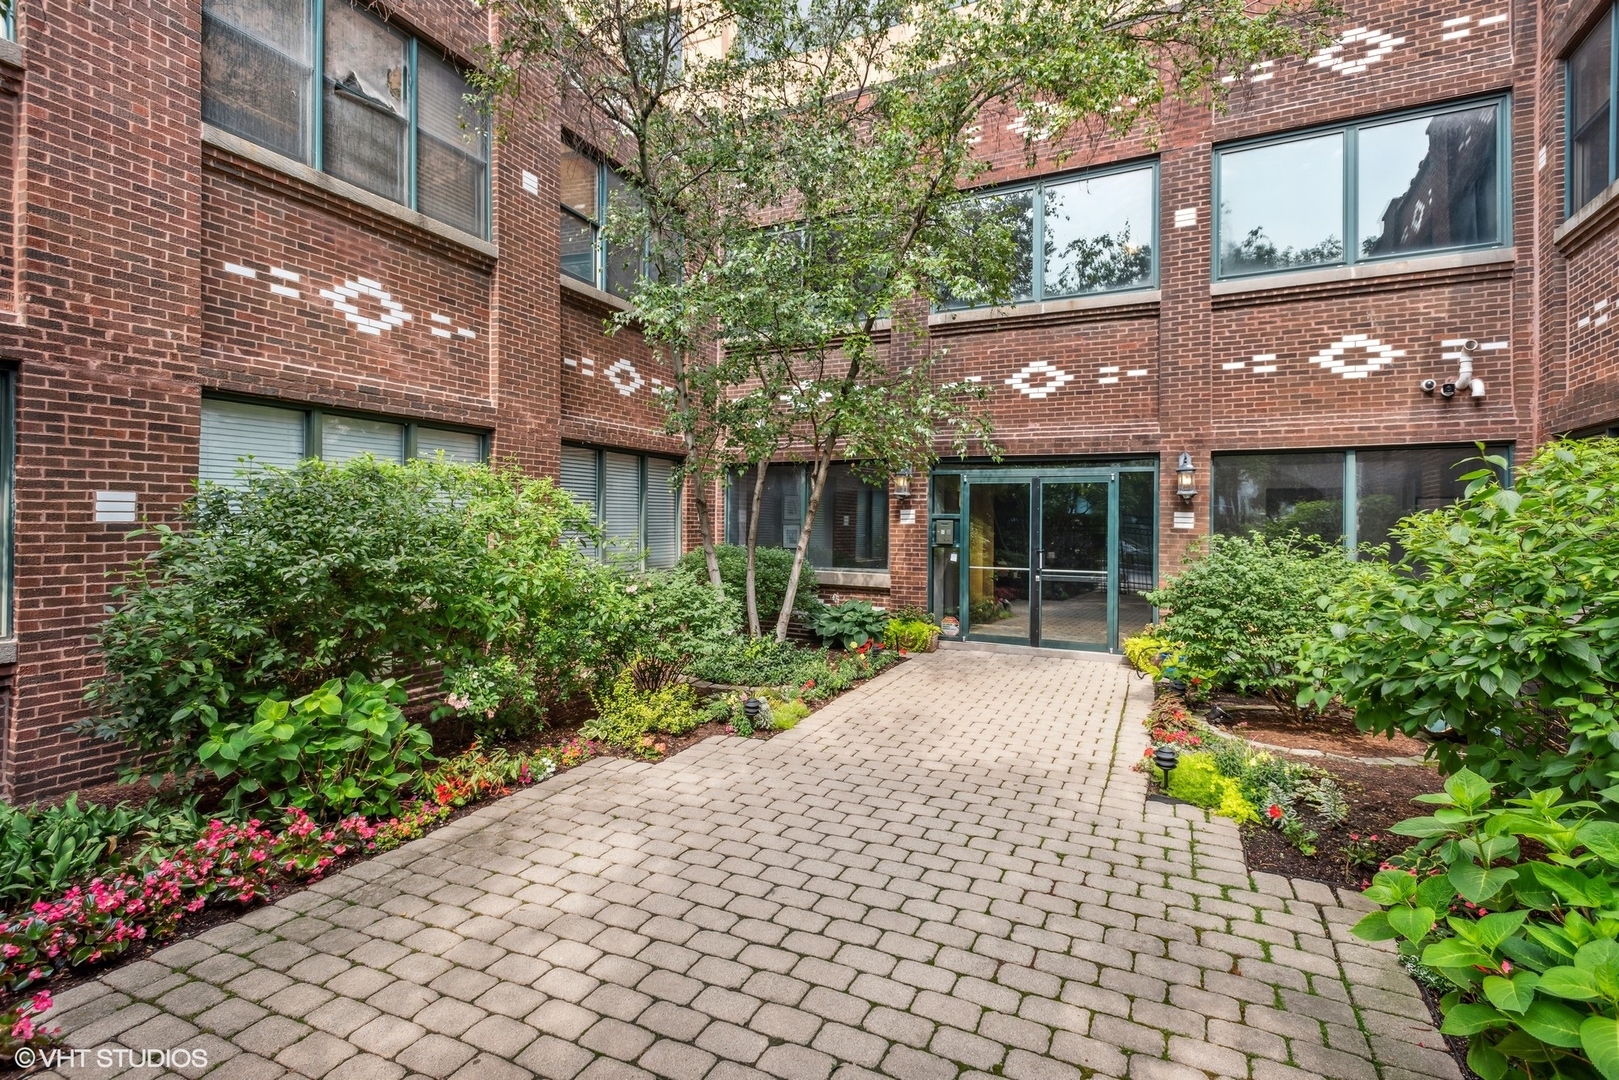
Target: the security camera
(1428, 386)
(1470, 345)
(1448, 390)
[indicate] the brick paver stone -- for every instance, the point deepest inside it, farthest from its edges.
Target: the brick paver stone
(951, 868)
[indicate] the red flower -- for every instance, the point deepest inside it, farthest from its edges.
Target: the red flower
(1275, 812)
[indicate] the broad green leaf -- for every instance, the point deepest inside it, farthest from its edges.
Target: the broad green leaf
(1599, 1037)
(1601, 838)
(1472, 1019)
(1468, 788)
(1374, 927)
(1485, 1060)
(1496, 928)
(1412, 924)
(1421, 827)
(1570, 983)
(1477, 884)
(1454, 953)
(1552, 1022)
(1512, 995)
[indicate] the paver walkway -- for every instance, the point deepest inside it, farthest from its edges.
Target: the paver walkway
(950, 871)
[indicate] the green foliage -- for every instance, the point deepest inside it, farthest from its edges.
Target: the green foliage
(785, 717)
(43, 850)
(626, 713)
(1529, 945)
(297, 577)
(911, 633)
(672, 620)
(1502, 627)
(850, 624)
(1242, 609)
(1156, 655)
(344, 748)
(763, 661)
(1199, 781)
(771, 566)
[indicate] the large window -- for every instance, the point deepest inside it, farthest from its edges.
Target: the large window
(1395, 187)
(1342, 496)
(389, 114)
(241, 436)
(851, 526)
(1077, 235)
(1591, 75)
(588, 187)
(635, 500)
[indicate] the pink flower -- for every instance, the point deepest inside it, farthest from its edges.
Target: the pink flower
(23, 1029)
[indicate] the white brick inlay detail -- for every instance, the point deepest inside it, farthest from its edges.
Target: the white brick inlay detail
(1052, 379)
(1186, 217)
(349, 300)
(1380, 356)
(625, 386)
(1355, 50)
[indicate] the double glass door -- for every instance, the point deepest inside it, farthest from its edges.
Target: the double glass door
(1042, 560)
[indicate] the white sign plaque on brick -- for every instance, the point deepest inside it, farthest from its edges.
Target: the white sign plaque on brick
(907, 517)
(1185, 519)
(115, 506)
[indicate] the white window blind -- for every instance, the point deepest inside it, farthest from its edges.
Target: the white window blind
(621, 501)
(232, 430)
(662, 514)
(579, 479)
(462, 446)
(346, 437)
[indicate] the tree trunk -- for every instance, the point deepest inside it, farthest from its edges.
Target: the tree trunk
(754, 629)
(823, 466)
(705, 519)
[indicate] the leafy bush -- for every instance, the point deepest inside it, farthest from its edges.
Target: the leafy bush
(1527, 944)
(42, 850)
(1503, 627)
(300, 576)
(672, 620)
(771, 568)
(1198, 781)
(763, 661)
(626, 714)
(1241, 609)
(345, 748)
(850, 624)
(911, 634)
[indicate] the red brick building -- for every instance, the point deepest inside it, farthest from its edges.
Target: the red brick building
(255, 226)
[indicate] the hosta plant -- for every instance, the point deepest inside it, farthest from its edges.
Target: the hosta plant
(1528, 944)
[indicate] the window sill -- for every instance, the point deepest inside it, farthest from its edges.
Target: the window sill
(11, 55)
(257, 154)
(590, 292)
(1589, 222)
(1364, 271)
(853, 579)
(1098, 302)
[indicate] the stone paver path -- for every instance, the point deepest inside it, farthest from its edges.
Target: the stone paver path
(950, 871)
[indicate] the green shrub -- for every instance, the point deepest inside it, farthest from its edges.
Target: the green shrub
(785, 717)
(343, 749)
(1528, 944)
(911, 634)
(671, 621)
(850, 624)
(771, 568)
(744, 661)
(1198, 781)
(625, 713)
(1502, 627)
(300, 576)
(42, 851)
(1242, 608)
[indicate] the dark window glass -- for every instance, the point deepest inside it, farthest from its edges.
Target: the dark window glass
(781, 507)
(851, 527)
(1389, 484)
(1590, 120)
(578, 248)
(1281, 206)
(366, 112)
(1138, 552)
(1099, 233)
(452, 159)
(579, 175)
(946, 493)
(1429, 183)
(257, 73)
(1276, 494)
(623, 260)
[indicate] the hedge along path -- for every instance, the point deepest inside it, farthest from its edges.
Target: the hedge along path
(949, 870)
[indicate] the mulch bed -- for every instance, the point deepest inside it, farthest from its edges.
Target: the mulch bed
(1335, 732)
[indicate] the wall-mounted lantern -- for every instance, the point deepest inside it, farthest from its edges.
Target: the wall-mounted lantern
(902, 483)
(1186, 478)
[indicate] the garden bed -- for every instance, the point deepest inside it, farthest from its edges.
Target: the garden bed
(1333, 732)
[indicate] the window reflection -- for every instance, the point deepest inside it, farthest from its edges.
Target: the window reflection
(1590, 99)
(1098, 233)
(1281, 206)
(1278, 494)
(1429, 183)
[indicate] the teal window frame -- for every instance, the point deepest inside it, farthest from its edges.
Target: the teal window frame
(8, 29)
(315, 143)
(315, 415)
(8, 488)
(598, 510)
(1037, 272)
(1349, 224)
(599, 278)
(1351, 485)
(806, 486)
(1611, 13)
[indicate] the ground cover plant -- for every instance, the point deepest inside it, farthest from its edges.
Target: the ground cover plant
(1501, 629)
(849, 625)
(911, 631)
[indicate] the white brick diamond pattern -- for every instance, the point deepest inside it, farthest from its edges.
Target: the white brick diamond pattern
(1355, 50)
(1039, 379)
(624, 377)
(1374, 356)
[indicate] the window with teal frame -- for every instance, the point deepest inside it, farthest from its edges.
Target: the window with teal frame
(1591, 78)
(1405, 184)
(389, 112)
(8, 473)
(589, 185)
(1079, 234)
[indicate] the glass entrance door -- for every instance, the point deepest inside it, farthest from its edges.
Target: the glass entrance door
(1074, 566)
(998, 595)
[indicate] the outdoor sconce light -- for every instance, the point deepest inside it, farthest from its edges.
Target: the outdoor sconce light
(1166, 758)
(902, 483)
(1186, 478)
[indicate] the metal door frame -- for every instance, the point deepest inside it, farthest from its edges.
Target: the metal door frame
(1035, 477)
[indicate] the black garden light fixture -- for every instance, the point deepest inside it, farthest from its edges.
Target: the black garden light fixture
(754, 710)
(1186, 478)
(1166, 758)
